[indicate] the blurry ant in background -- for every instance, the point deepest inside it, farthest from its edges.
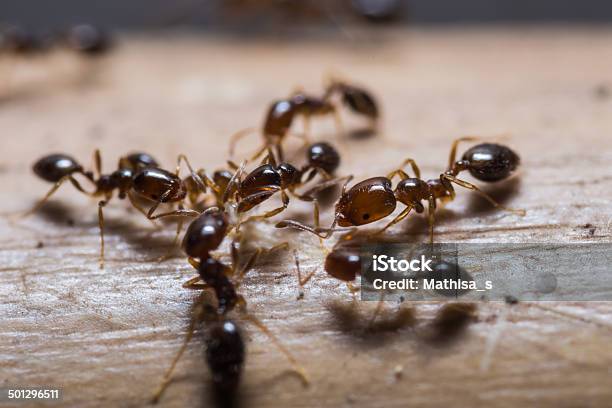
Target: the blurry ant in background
(137, 176)
(82, 38)
(204, 235)
(281, 114)
(374, 198)
(279, 119)
(21, 45)
(359, 100)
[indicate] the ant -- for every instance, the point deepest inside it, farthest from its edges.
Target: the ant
(204, 235)
(137, 176)
(279, 119)
(281, 113)
(271, 177)
(374, 199)
(88, 39)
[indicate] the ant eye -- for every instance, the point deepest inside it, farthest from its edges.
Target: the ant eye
(366, 216)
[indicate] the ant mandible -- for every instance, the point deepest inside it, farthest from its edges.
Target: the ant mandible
(138, 175)
(374, 198)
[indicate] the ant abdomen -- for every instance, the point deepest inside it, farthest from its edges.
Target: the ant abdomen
(159, 185)
(279, 118)
(54, 167)
(491, 162)
(366, 202)
(343, 264)
(225, 355)
(360, 101)
(205, 234)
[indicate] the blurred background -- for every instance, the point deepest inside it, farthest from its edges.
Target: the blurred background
(253, 15)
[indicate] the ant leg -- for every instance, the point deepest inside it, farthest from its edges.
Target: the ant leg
(195, 176)
(53, 189)
(402, 173)
(101, 205)
(431, 217)
(179, 213)
(338, 122)
(258, 154)
(490, 199)
(397, 219)
(196, 316)
(296, 366)
(247, 267)
(301, 281)
(194, 262)
(236, 137)
(139, 208)
(453, 151)
(179, 227)
(234, 182)
(270, 213)
(195, 284)
(97, 159)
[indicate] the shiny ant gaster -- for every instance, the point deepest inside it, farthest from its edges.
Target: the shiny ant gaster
(374, 199)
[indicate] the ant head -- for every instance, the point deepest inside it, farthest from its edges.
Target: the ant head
(411, 191)
(323, 156)
(343, 263)
(366, 202)
(289, 175)
(205, 234)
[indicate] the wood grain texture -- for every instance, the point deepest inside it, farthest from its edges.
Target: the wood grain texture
(106, 336)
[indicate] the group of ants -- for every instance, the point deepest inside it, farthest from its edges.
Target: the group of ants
(224, 201)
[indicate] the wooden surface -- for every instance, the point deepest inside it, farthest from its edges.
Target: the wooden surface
(106, 336)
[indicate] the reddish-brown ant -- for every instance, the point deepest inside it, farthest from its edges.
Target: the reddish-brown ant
(374, 198)
(279, 119)
(137, 176)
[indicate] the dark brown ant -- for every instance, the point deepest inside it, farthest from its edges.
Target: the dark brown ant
(279, 119)
(270, 178)
(357, 99)
(136, 177)
(374, 199)
(203, 235)
(88, 39)
(18, 41)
